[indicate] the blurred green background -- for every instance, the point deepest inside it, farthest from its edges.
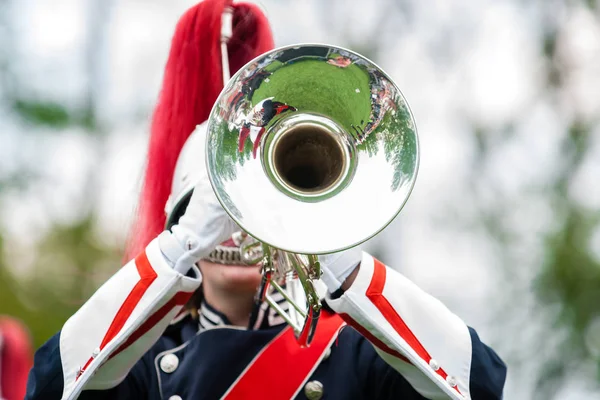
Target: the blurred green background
(503, 225)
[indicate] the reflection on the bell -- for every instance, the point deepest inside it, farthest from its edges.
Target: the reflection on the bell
(350, 101)
(258, 118)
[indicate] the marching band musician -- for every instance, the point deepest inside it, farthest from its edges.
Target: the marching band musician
(179, 321)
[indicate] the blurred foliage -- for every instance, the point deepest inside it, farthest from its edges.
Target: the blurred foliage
(50, 114)
(568, 282)
(68, 265)
(71, 260)
(53, 115)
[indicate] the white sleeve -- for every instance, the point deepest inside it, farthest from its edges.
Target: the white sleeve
(102, 341)
(411, 330)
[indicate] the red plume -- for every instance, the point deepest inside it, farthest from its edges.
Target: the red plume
(191, 85)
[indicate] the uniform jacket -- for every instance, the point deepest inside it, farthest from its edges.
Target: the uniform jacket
(400, 343)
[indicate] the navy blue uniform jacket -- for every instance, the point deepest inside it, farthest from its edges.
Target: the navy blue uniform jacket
(113, 346)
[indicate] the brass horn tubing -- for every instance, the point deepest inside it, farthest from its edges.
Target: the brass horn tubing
(312, 299)
(314, 266)
(245, 250)
(295, 290)
(288, 298)
(267, 273)
(272, 303)
(307, 333)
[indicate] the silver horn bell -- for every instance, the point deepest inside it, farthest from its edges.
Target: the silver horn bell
(311, 149)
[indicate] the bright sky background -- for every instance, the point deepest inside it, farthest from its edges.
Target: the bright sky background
(456, 62)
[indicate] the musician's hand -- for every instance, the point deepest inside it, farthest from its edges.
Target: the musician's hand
(338, 267)
(200, 229)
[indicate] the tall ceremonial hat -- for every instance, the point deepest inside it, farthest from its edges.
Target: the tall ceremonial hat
(193, 79)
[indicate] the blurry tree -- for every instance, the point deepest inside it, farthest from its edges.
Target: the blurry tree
(70, 261)
(567, 282)
(69, 265)
(552, 326)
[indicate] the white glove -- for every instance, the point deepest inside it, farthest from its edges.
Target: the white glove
(337, 267)
(203, 226)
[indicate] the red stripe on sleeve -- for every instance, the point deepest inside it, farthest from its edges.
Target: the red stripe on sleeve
(371, 338)
(147, 276)
(178, 300)
(375, 294)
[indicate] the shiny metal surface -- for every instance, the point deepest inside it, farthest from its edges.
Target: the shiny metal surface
(169, 363)
(359, 120)
(313, 390)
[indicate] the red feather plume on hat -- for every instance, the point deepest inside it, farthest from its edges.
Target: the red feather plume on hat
(191, 85)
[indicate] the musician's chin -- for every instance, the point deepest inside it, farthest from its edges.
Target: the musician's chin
(236, 278)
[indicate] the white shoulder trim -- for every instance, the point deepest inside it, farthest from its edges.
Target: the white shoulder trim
(407, 324)
(121, 321)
